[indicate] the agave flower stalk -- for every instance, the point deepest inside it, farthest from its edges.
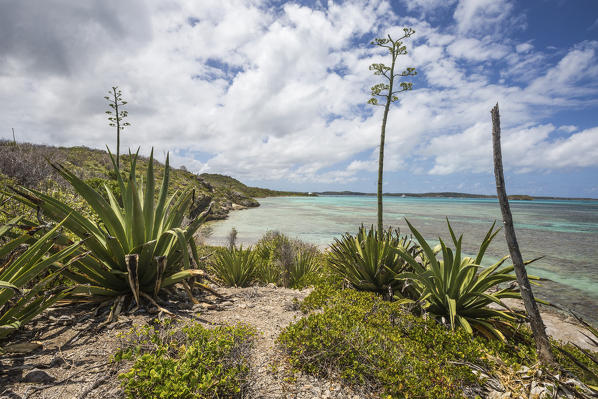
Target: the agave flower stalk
(140, 224)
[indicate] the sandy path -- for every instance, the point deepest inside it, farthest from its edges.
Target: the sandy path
(269, 310)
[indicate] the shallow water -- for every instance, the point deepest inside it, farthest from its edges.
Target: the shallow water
(565, 233)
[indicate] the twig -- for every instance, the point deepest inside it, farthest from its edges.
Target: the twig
(160, 308)
(93, 386)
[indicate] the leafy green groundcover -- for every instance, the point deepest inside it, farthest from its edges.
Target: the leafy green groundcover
(188, 362)
(374, 343)
(380, 346)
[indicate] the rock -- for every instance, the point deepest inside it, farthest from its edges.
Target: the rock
(523, 370)
(38, 376)
(498, 395)
(23, 348)
(199, 205)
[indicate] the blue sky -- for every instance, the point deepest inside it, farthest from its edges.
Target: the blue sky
(274, 93)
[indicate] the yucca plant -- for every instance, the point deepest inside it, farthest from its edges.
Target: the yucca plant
(22, 268)
(139, 245)
(369, 262)
(304, 266)
(235, 267)
(456, 288)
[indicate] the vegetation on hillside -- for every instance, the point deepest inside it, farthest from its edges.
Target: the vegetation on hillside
(27, 164)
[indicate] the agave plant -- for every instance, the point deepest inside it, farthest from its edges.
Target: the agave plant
(19, 304)
(235, 267)
(456, 288)
(303, 267)
(139, 245)
(370, 263)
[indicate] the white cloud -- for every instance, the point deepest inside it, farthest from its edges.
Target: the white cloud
(568, 128)
(279, 94)
(524, 150)
(479, 16)
(524, 47)
(427, 6)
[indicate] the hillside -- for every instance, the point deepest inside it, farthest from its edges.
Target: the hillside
(27, 164)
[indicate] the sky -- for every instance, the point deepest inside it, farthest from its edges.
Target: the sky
(275, 93)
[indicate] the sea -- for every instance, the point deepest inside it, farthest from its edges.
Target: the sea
(562, 233)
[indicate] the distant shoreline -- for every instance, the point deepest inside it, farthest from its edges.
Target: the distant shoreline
(455, 195)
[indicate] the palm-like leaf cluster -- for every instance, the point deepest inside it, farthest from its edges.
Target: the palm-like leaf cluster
(137, 224)
(457, 288)
(369, 262)
(19, 304)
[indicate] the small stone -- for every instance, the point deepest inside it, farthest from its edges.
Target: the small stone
(539, 373)
(498, 395)
(38, 376)
(523, 370)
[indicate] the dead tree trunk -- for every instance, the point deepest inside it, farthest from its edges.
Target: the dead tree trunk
(531, 307)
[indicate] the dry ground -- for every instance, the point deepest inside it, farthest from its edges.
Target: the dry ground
(74, 360)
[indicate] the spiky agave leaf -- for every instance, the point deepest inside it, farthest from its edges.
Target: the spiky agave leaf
(135, 224)
(370, 263)
(17, 304)
(457, 287)
(235, 267)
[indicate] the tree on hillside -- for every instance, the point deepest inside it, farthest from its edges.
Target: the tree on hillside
(387, 91)
(531, 307)
(117, 116)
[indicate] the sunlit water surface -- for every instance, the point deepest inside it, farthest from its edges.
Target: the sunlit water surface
(564, 233)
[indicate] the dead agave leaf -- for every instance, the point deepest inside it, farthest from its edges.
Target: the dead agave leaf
(23, 347)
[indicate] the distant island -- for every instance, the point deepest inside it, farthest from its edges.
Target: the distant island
(454, 195)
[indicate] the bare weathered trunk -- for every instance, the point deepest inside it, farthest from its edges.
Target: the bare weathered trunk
(531, 307)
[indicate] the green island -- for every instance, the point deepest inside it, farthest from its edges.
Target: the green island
(107, 290)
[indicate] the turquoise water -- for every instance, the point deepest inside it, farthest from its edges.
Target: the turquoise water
(565, 233)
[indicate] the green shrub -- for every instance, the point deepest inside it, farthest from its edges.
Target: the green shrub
(287, 262)
(235, 267)
(369, 263)
(378, 345)
(456, 288)
(141, 227)
(373, 343)
(192, 362)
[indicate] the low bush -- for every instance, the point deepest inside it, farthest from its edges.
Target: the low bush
(376, 345)
(379, 347)
(287, 262)
(188, 362)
